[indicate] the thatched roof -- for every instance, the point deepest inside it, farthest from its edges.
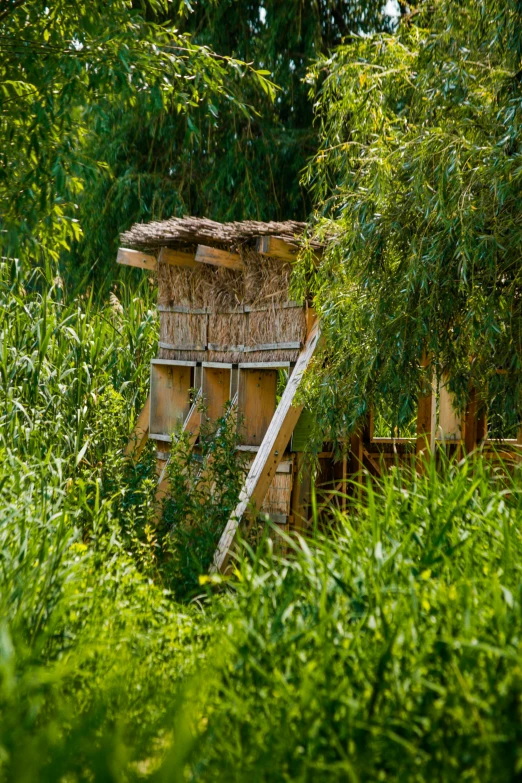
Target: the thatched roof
(193, 230)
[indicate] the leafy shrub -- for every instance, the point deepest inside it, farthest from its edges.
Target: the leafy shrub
(204, 490)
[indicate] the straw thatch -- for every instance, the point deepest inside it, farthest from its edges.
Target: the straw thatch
(277, 325)
(227, 312)
(177, 232)
(266, 280)
(226, 336)
(184, 330)
(183, 355)
(205, 286)
(277, 499)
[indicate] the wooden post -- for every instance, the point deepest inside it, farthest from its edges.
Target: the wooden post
(270, 452)
(356, 457)
(426, 418)
(140, 433)
(475, 422)
(300, 498)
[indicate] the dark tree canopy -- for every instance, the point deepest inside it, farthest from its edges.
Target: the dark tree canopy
(67, 71)
(213, 159)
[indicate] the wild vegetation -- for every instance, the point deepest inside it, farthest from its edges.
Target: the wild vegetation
(417, 183)
(386, 644)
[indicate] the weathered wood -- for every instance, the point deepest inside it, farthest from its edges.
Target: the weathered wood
(216, 390)
(291, 305)
(140, 433)
(169, 395)
(173, 363)
(310, 317)
(218, 365)
(372, 462)
(136, 258)
(475, 422)
(300, 498)
(190, 347)
(277, 248)
(257, 403)
(263, 365)
(217, 257)
(177, 258)
(160, 437)
(274, 347)
(192, 425)
(183, 309)
(276, 518)
(426, 417)
(218, 348)
(270, 453)
(232, 311)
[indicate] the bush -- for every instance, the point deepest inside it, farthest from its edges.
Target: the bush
(204, 490)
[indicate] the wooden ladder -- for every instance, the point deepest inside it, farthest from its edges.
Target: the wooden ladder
(270, 453)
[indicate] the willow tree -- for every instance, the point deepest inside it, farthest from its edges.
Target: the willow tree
(64, 67)
(417, 186)
(213, 158)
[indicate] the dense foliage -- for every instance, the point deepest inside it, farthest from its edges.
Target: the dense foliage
(386, 647)
(418, 183)
(64, 70)
(204, 487)
(389, 651)
(214, 159)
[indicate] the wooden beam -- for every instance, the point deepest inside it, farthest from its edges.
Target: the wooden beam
(270, 452)
(277, 248)
(140, 433)
(475, 422)
(426, 416)
(217, 257)
(136, 258)
(177, 258)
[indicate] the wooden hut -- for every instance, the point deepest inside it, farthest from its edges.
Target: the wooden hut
(229, 328)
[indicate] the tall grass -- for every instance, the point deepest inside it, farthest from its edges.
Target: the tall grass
(90, 648)
(388, 648)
